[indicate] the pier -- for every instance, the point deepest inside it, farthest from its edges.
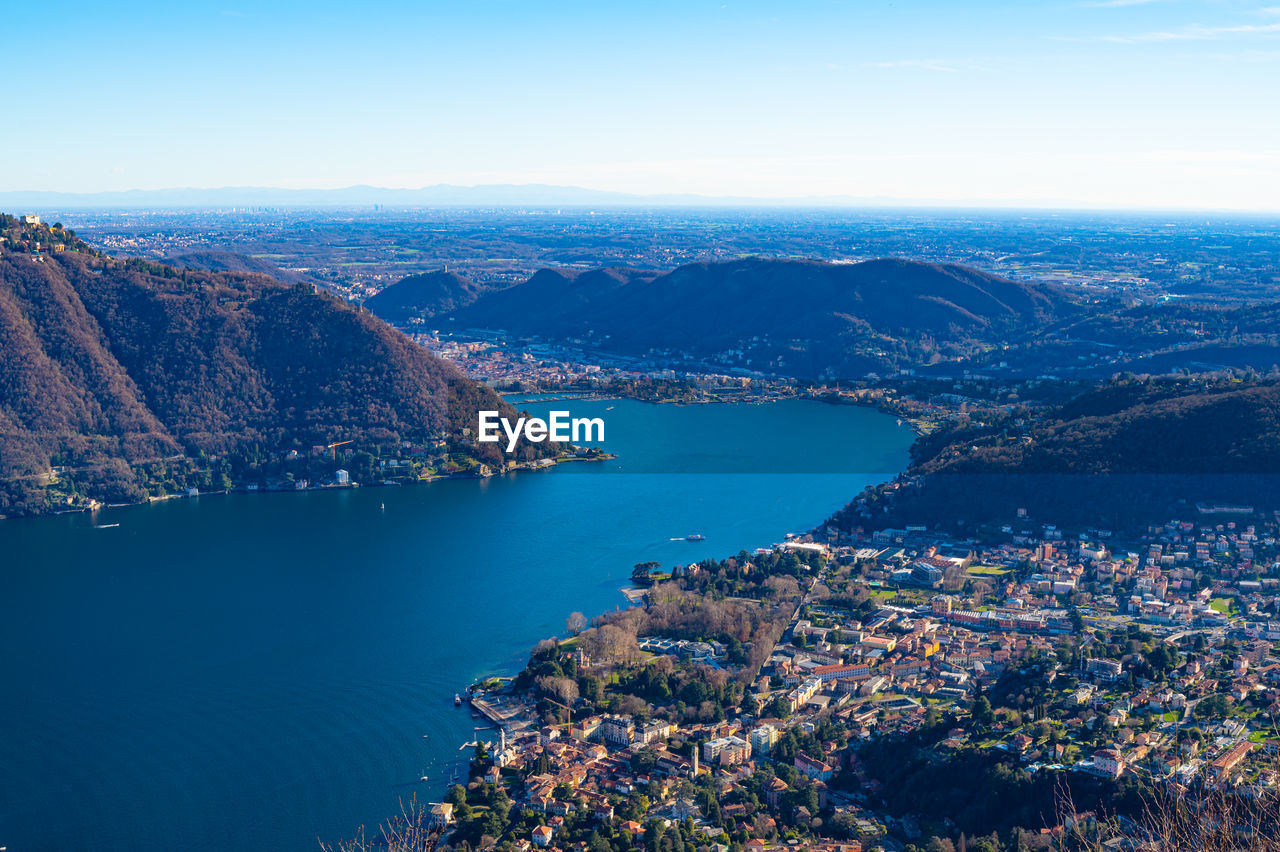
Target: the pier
(508, 716)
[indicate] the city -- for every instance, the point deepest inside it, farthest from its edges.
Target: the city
(1045, 655)
(641, 427)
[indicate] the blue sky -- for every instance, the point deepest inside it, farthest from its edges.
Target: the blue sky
(1114, 103)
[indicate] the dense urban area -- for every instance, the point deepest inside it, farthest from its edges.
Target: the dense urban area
(895, 690)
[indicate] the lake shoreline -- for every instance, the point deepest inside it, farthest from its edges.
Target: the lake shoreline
(93, 506)
(218, 622)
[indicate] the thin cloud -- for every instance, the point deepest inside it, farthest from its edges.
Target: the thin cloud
(1115, 4)
(921, 64)
(1233, 157)
(1191, 32)
(1245, 56)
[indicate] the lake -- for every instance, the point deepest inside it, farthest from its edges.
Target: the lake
(259, 671)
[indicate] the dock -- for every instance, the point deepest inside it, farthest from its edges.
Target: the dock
(506, 715)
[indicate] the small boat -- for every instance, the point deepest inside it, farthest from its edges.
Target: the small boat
(105, 526)
(695, 537)
(457, 700)
(423, 778)
(610, 408)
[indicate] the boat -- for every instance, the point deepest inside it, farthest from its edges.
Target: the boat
(457, 700)
(104, 526)
(695, 537)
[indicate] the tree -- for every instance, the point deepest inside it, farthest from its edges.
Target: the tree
(1216, 706)
(562, 689)
(495, 822)
(643, 571)
(610, 643)
(575, 623)
(982, 712)
(590, 688)
(845, 823)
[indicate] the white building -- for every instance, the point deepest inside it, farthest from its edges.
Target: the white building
(726, 751)
(763, 738)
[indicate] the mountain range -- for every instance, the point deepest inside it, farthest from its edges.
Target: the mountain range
(792, 317)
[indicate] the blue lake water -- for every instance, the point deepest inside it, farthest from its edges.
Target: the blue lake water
(259, 671)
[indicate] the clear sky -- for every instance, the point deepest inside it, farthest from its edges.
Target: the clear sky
(1115, 103)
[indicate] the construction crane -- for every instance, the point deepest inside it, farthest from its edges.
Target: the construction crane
(558, 704)
(333, 448)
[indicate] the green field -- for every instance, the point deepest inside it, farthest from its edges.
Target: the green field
(988, 571)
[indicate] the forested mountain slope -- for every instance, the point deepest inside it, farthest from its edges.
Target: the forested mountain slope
(801, 318)
(111, 363)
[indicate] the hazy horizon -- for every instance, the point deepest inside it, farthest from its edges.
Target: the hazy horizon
(1126, 104)
(534, 196)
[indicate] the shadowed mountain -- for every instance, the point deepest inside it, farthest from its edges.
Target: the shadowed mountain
(796, 317)
(1130, 452)
(1139, 428)
(423, 296)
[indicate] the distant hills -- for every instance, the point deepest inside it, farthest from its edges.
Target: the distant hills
(227, 261)
(802, 318)
(113, 364)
